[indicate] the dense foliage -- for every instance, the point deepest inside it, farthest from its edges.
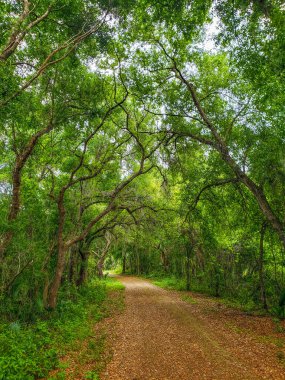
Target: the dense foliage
(30, 351)
(145, 133)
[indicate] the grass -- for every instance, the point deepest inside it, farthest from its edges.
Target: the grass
(113, 284)
(31, 351)
(188, 299)
(171, 283)
(281, 357)
(233, 327)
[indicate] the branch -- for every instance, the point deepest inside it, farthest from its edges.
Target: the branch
(214, 184)
(8, 286)
(172, 114)
(89, 138)
(193, 136)
(22, 158)
(17, 36)
(69, 46)
(110, 207)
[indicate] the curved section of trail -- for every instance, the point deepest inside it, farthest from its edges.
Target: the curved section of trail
(161, 337)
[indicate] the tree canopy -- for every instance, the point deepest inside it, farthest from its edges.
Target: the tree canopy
(146, 134)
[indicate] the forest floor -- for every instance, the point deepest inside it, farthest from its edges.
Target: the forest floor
(169, 335)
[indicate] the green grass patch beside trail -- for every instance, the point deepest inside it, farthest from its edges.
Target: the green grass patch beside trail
(113, 284)
(170, 283)
(31, 351)
(188, 299)
(173, 283)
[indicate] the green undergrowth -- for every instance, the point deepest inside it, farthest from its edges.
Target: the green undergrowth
(171, 283)
(187, 298)
(113, 284)
(248, 307)
(30, 351)
(244, 303)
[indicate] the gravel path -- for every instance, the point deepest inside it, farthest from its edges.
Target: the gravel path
(161, 337)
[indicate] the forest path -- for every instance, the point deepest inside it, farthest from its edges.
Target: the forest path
(161, 337)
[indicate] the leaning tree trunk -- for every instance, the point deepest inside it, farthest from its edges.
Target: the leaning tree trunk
(220, 145)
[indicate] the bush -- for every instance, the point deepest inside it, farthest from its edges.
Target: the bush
(26, 352)
(30, 351)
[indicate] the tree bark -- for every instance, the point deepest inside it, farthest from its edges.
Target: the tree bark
(83, 271)
(124, 262)
(61, 255)
(72, 264)
(54, 287)
(101, 261)
(100, 268)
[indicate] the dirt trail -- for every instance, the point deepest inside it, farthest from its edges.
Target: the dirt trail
(161, 337)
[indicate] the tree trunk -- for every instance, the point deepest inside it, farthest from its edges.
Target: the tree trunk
(72, 264)
(101, 261)
(188, 254)
(100, 268)
(138, 265)
(14, 207)
(54, 287)
(61, 254)
(260, 266)
(132, 268)
(83, 271)
(20, 162)
(260, 197)
(124, 263)
(217, 285)
(164, 258)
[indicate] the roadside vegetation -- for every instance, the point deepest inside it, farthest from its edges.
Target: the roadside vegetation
(178, 284)
(31, 350)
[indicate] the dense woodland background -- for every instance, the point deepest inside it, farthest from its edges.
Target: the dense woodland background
(145, 135)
